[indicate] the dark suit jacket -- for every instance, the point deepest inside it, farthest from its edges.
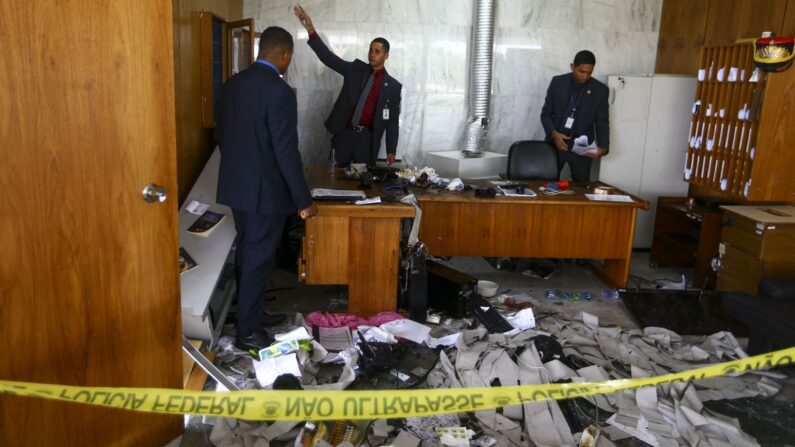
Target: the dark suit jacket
(355, 76)
(261, 170)
(591, 119)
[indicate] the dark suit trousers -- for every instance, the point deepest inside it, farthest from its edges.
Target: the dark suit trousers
(580, 165)
(257, 239)
(353, 147)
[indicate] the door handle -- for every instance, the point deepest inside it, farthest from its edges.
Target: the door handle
(154, 193)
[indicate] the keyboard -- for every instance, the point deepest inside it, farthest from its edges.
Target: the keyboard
(488, 315)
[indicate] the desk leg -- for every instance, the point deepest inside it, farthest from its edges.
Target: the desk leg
(615, 271)
(374, 260)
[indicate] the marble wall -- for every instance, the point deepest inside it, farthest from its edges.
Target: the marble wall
(430, 39)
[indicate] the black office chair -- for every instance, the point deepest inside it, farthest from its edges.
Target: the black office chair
(532, 160)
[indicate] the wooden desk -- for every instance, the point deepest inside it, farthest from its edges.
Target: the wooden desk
(354, 245)
(561, 226)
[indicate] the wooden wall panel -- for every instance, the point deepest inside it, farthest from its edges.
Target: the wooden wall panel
(194, 143)
(688, 25)
(788, 25)
(729, 20)
(682, 28)
(772, 178)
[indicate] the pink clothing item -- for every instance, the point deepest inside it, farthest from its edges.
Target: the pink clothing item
(326, 319)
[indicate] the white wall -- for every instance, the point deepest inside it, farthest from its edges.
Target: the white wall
(430, 39)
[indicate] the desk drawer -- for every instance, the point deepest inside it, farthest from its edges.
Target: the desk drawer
(325, 250)
(739, 271)
(741, 233)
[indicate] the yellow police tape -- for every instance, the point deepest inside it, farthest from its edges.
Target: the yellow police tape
(336, 405)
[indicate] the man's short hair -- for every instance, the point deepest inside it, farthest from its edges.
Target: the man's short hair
(584, 57)
(383, 42)
(275, 38)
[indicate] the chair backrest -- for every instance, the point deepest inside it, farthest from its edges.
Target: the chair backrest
(532, 160)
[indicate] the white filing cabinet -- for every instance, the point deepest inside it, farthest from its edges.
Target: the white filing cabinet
(649, 122)
(204, 308)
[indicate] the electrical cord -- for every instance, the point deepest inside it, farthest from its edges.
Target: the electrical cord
(555, 192)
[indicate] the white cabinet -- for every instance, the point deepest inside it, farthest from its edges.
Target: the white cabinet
(649, 122)
(204, 308)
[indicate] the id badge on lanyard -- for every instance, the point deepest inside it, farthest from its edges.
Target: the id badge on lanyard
(574, 102)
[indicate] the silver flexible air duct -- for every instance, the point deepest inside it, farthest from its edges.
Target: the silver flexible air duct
(480, 79)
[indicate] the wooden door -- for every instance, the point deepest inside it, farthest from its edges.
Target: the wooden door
(88, 273)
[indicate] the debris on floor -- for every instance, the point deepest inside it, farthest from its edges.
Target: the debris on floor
(541, 347)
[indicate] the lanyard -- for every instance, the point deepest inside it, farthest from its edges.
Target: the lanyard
(574, 101)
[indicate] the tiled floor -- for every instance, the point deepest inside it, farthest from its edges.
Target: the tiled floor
(570, 277)
(291, 296)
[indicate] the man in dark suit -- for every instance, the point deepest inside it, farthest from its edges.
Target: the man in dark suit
(368, 104)
(261, 175)
(576, 105)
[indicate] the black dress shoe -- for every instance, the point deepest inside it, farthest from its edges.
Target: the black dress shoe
(256, 341)
(272, 319)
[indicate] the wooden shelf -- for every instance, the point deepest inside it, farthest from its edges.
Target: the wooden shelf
(686, 234)
(742, 160)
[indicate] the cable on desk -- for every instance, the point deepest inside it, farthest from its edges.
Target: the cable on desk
(554, 192)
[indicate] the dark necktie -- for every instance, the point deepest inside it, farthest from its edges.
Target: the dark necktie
(357, 113)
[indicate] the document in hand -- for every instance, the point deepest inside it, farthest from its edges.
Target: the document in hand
(581, 146)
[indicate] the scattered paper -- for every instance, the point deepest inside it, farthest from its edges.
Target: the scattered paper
(269, 369)
(299, 333)
(609, 198)
(197, 208)
(641, 431)
(406, 439)
(408, 329)
(522, 320)
(368, 201)
(376, 334)
(448, 340)
(456, 185)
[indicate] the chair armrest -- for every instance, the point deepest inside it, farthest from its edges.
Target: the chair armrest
(777, 288)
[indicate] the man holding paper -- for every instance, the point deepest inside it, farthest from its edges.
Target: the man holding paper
(575, 117)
